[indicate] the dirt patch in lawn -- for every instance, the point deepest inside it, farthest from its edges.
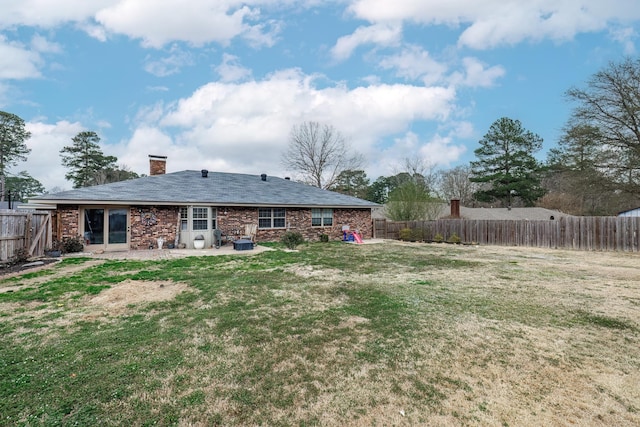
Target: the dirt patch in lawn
(118, 299)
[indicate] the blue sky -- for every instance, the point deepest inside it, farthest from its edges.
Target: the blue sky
(218, 84)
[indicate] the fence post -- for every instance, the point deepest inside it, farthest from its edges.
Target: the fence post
(27, 230)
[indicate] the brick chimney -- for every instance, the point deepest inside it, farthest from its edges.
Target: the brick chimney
(455, 208)
(157, 165)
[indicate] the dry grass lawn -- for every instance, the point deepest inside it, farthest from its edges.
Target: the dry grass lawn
(372, 335)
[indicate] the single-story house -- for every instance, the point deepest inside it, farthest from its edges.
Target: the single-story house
(630, 213)
(179, 206)
(453, 209)
(513, 214)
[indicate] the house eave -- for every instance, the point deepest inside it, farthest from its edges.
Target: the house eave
(54, 202)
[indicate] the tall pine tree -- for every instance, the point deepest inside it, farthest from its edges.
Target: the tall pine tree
(85, 159)
(506, 164)
(12, 145)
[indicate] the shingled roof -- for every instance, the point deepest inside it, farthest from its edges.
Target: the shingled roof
(218, 188)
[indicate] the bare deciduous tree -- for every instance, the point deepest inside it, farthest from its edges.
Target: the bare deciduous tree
(319, 153)
(456, 184)
(610, 103)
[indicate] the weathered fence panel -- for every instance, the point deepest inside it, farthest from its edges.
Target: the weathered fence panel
(28, 231)
(581, 233)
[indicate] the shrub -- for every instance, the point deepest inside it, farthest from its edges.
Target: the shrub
(324, 238)
(417, 234)
(454, 238)
(405, 234)
(438, 238)
(72, 244)
(292, 239)
(20, 255)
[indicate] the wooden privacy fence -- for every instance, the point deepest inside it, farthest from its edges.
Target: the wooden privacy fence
(583, 233)
(28, 231)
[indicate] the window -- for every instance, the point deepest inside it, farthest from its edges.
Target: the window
(184, 218)
(200, 218)
(271, 218)
(321, 217)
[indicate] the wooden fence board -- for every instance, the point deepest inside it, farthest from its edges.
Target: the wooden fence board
(580, 233)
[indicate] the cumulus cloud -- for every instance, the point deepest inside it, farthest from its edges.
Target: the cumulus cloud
(491, 23)
(17, 61)
(160, 22)
(379, 34)
(441, 150)
(42, 45)
(47, 13)
(476, 74)
(413, 63)
(230, 69)
(43, 163)
(245, 126)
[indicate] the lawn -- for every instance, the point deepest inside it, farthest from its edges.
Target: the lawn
(333, 334)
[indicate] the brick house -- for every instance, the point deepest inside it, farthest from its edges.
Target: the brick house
(179, 206)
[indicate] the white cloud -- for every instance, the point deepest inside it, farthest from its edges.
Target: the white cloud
(48, 13)
(230, 69)
(244, 127)
(476, 74)
(441, 151)
(412, 63)
(17, 62)
(438, 151)
(379, 34)
(160, 22)
(171, 64)
(42, 45)
(4, 94)
(626, 37)
(491, 23)
(43, 163)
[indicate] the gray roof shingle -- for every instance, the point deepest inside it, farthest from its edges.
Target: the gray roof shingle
(189, 187)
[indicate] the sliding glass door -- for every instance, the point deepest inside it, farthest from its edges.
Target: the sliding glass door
(107, 228)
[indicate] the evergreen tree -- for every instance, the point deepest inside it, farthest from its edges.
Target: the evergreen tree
(506, 163)
(23, 186)
(378, 191)
(352, 182)
(12, 145)
(575, 177)
(107, 175)
(85, 159)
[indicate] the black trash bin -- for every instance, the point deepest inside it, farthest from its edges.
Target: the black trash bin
(243, 245)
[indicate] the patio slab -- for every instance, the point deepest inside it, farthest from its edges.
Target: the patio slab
(172, 253)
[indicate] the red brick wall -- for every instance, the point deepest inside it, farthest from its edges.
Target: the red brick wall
(144, 235)
(66, 219)
(297, 219)
(231, 221)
